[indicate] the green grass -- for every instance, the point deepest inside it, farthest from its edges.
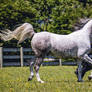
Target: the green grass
(57, 79)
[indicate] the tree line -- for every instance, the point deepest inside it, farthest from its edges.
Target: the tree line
(57, 16)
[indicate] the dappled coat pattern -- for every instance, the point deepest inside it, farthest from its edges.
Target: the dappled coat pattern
(75, 45)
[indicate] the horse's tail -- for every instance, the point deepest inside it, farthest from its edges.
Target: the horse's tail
(20, 33)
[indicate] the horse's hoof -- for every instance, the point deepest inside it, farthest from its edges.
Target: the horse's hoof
(41, 81)
(80, 81)
(29, 79)
(89, 78)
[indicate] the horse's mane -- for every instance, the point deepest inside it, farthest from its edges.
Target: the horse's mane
(80, 23)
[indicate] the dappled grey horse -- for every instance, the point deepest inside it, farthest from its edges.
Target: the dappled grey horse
(76, 45)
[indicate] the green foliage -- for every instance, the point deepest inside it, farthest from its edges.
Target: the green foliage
(57, 16)
(15, 12)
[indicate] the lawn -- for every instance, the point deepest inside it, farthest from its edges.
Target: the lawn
(57, 79)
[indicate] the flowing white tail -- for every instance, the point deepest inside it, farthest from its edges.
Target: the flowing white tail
(21, 33)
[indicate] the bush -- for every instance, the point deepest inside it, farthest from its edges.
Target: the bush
(57, 16)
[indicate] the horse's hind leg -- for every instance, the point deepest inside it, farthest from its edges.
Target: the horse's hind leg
(38, 62)
(31, 70)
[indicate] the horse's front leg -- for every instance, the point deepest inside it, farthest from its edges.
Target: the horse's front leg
(31, 70)
(79, 71)
(87, 59)
(85, 67)
(36, 67)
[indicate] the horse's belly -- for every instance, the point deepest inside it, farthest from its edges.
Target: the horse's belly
(69, 53)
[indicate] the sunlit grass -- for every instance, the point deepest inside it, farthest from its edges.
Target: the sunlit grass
(57, 79)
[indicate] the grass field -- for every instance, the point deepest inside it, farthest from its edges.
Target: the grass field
(57, 79)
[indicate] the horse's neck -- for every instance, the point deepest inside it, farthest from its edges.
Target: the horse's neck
(88, 27)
